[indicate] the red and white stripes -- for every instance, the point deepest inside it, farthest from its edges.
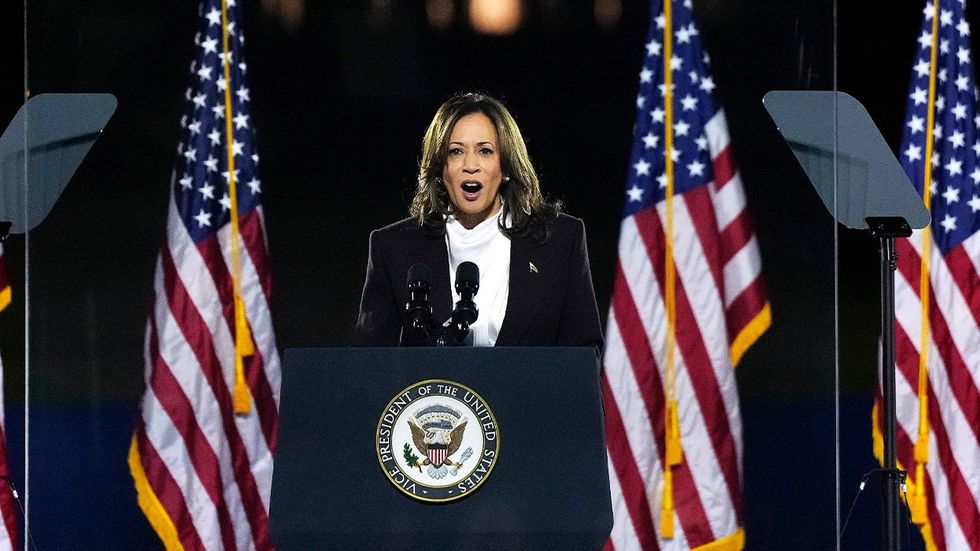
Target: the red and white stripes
(719, 297)
(952, 473)
(204, 473)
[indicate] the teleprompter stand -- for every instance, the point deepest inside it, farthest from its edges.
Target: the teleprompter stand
(862, 185)
(40, 150)
(548, 490)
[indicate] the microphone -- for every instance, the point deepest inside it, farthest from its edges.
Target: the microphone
(418, 310)
(465, 312)
(467, 284)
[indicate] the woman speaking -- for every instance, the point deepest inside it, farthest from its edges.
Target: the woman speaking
(478, 200)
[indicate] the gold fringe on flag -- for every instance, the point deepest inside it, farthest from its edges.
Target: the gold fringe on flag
(148, 501)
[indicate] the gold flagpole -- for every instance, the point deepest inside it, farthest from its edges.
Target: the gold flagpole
(917, 501)
(672, 436)
(243, 337)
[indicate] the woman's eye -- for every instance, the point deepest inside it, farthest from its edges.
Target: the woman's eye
(456, 151)
(486, 151)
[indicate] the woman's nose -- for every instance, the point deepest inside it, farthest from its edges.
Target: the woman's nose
(469, 163)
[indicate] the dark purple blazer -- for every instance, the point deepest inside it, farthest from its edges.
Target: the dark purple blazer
(552, 304)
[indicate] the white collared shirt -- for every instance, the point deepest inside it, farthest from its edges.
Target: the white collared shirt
(487, 247)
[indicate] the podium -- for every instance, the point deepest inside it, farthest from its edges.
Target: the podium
(548, 486)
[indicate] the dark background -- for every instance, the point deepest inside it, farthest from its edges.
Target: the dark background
(340, 103)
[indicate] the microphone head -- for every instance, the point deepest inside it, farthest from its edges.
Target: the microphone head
(419, 272)
(468, 274)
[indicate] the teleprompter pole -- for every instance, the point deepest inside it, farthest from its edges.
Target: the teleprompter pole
(886, 229)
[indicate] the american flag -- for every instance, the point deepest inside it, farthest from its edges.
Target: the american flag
(201, 454)
(938, 363)
(688, 300)
(8, 526)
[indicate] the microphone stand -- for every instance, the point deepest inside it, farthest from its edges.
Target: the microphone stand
(417, 331)
(464, 314)
(458, 326)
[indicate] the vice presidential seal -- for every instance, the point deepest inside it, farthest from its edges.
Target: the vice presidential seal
(437, 440)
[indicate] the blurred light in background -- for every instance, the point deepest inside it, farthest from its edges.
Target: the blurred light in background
(289, 12)
(440, 13)
(608, 13)
(495, 16)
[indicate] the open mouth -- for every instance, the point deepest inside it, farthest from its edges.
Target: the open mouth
(471, 190)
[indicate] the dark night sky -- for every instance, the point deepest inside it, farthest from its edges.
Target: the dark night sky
(340, 106)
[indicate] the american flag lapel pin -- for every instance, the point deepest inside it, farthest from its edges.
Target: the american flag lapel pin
(533, 268)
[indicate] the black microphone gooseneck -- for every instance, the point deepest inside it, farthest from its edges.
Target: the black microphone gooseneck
(418, 311)
(465, 312)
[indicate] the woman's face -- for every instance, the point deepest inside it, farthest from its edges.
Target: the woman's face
(472, 171)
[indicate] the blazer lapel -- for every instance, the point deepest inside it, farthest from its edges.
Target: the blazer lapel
(524, 293)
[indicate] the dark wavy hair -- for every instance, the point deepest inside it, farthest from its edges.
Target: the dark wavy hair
(529, 211)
